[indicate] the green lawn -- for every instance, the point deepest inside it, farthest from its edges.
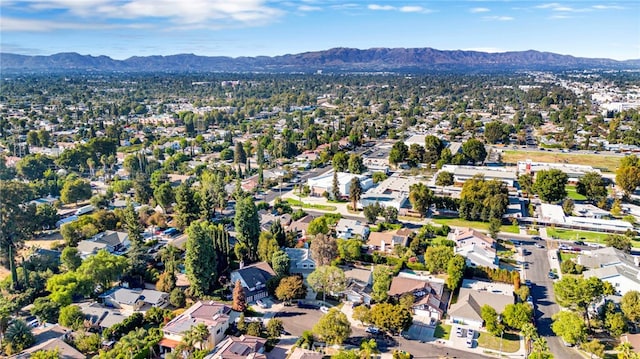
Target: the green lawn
(571, 193)
(574, 235)
(565, 256)
(606, 163)
(510, 342)
(322, 207)
(458, 222)
(443, 331)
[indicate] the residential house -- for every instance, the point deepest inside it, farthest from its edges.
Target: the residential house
(473, 295)
(112, 241)
(477, 248)
(212, 314)
(429, 305)
(100, 317)
(268, 219)
(300, 260)
(350, 228)
(299, 353)
(301, 225)
(51, 337)
(358, 289)
(254, 279)
(242, 347)
(134, 299)
(614, 266)
(385, 241)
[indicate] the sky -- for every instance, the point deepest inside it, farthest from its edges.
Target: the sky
(125, 28)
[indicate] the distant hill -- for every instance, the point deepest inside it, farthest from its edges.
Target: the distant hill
(332, 60)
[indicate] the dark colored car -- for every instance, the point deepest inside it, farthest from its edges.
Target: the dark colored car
(306, 305)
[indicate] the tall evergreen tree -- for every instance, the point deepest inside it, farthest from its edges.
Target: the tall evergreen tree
(247, 225)
(200, 258)
(278, 233)
(239, 299)
(335, 186)
(137, 256)
(239, 155)
(186, 207)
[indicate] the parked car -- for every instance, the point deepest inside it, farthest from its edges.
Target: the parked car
(527, 282)
(552, 275)
(324, 309)
(538, 245)
(470, 333)
(536, 238)
(262, 304)
(372, 330)
(580, 243)
(305, 305)
(459, 332)
(469, 343)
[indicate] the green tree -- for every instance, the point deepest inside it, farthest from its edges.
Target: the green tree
(291, 287)
(398, 153)
(455, 271)
(163, 194)
(433, 147)
(335, 186)
(327, 279)
(177, 298)
(630, 305)
(569, 326)
(340, 162)
(274, 328)
(278, 232)
(267, 246)
(355, 164)
(526, 183)
(592, 186)
(280, 263)
(70, 258)
(46, 310)
(494, 227)
(437, 258)
(333, 327)
(568, 205)
(628, 174)
(493, 132)
(200, 258)
(17, 337)
(420, 197)
(382, 277)
(578, 292)
(186, 208)
(71, 316)
(355, 192)
(474, 150)
(444, 179)
(490, 318)
(361, 313)
(103, 268)
(349, 249)
(47, 354)
(517, 315)
(393, 318)
(318, 226)
(137, 256)
(64, 286)
(75, 190)
(617, 241)
(239, 299)
(247, 224)
(550, 185)
(239, 155)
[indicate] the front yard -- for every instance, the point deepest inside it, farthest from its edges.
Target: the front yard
(443, 331)
(510, 342)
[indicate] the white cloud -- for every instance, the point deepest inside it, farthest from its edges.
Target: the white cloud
(412, 9)
(307, 8)
(498, 18)
(30, 25)
(476, 10)
(607, 7)
(557, 7)
(377, 7)
(203, 12)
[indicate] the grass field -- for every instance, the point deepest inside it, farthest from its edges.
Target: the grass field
(604, 162)
(322, 207)
(571, 193)
(443, 331)
(565, 256)
(574, 235)
(458, 222)
(510, 342)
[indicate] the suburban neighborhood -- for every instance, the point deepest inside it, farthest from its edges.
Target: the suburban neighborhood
(286, 216)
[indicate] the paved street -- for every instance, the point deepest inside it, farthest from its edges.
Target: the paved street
(544, 298)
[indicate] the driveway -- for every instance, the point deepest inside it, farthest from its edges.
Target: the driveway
(296, 320)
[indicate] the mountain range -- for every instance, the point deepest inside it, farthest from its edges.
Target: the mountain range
(333, 60)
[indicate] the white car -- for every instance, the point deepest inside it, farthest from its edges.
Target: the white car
(538, 245)
(469, 343)
(470, 333)
(459, 332)
(372, 330)
(261, 304)
(324, 309)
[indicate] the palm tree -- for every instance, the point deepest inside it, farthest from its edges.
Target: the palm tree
(529, 333)
(18, 335)
(540, 346)
(200, 335)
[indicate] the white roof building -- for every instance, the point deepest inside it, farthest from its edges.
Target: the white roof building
(324, 183)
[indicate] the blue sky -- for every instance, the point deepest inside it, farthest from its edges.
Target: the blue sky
(124, 28)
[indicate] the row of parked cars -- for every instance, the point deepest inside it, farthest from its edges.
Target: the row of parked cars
(470, 335)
